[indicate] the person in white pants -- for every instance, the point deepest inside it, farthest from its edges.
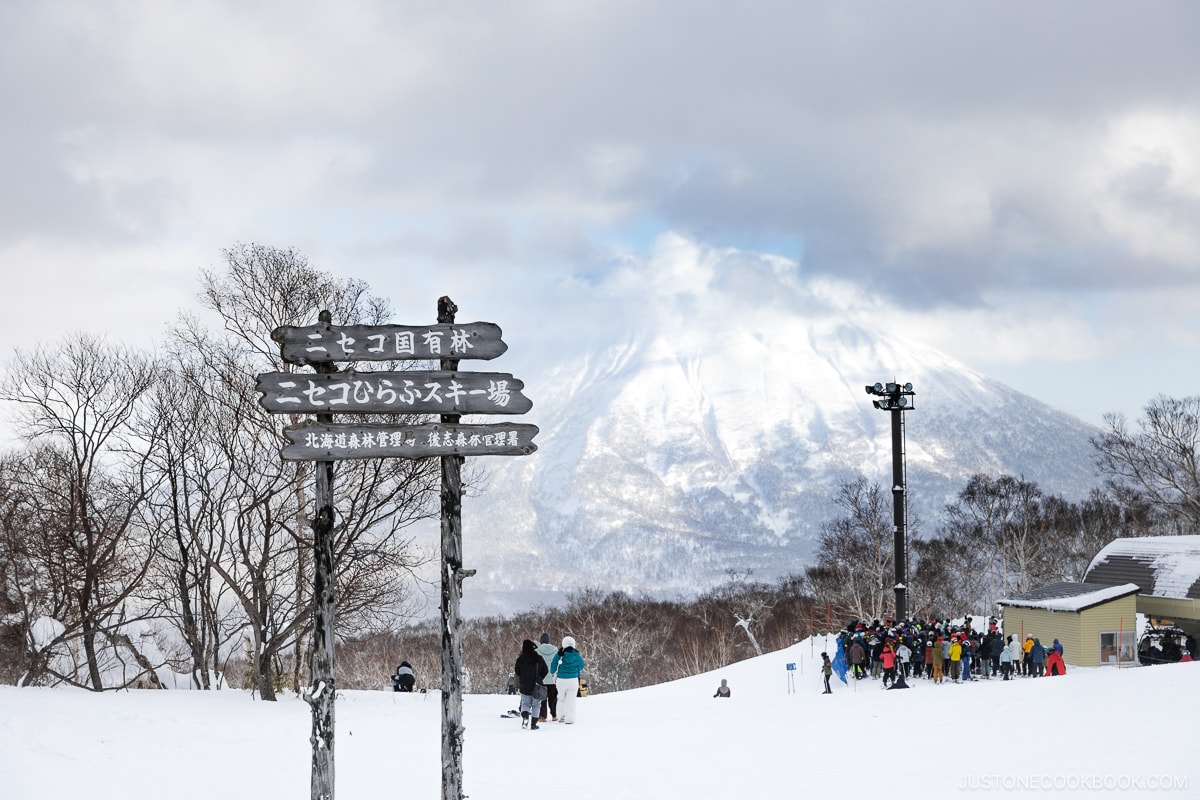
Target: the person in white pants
(566, 666)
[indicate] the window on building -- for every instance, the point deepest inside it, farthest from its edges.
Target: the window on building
(1118, 647)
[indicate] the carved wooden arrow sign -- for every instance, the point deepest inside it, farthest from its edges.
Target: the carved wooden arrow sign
(313, 442)
(324, 342)
(352, 392)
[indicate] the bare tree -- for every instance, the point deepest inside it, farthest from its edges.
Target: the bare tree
(1014, 537)
(1162, 459)
(182, 586)
(750, 601)
(86, 485)
(977, 522)
(615, 632)
(948, 578)
(248, 519)
(854, 557)
(1028, 536)
(30, 586)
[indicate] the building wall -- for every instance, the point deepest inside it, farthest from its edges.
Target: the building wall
(1045, 626)
(1078, 632)
(1115, 616)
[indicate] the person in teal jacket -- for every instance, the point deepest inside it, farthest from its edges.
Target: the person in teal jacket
(566, 667)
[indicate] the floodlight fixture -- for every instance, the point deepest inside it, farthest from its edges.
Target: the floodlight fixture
(897, 395)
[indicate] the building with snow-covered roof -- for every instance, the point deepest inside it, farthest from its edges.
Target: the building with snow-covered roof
(1095, 623)
(1166, 570)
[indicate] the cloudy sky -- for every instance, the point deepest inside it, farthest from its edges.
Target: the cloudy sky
(1015, 183)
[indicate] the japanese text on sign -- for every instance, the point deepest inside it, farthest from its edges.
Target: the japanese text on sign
(317, 343)
(357, 439)
(393, 392)
(345, 441)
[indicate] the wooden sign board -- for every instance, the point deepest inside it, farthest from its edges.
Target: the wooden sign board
(324, 342)
(313, 442)
(351, 392)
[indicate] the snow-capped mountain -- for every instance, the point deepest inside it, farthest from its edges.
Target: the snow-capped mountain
(683, 452)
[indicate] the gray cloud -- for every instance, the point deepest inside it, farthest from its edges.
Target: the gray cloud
(948, 156)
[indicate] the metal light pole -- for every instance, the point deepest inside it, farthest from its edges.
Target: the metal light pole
(897, 399)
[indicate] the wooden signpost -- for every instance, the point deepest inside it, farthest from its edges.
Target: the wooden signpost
(446, 392)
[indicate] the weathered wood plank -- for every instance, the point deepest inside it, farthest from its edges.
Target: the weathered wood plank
(311, 344)
(316, 442)
(351, 392)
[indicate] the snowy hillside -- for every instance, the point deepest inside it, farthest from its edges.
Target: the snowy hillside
(686, 451)
(1026, 738)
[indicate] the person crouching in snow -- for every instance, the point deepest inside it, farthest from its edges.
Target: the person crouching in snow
(530, 670)
(723, 689)
(566, 666)
(1055, 664)
(404, 680)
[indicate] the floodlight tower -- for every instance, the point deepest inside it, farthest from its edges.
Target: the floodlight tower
(897, 399)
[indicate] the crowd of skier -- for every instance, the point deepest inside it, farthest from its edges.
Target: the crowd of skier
(939, 651)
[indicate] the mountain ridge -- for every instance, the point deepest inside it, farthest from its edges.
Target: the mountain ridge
(673, 456)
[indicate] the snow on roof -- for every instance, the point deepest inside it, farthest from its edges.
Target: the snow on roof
(1162, 566)
(1070, 596)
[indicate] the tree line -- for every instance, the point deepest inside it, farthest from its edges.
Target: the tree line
(627, 641)
(1001, 536)
(148, 524)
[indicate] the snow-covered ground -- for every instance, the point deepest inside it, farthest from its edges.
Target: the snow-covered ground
(1103, 732)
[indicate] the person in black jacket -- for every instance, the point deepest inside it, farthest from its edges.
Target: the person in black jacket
(530, 670)
(404, 680)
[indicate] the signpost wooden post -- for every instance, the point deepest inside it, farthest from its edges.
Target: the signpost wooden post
(452, 578)
(324, 686)
(446, 392)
